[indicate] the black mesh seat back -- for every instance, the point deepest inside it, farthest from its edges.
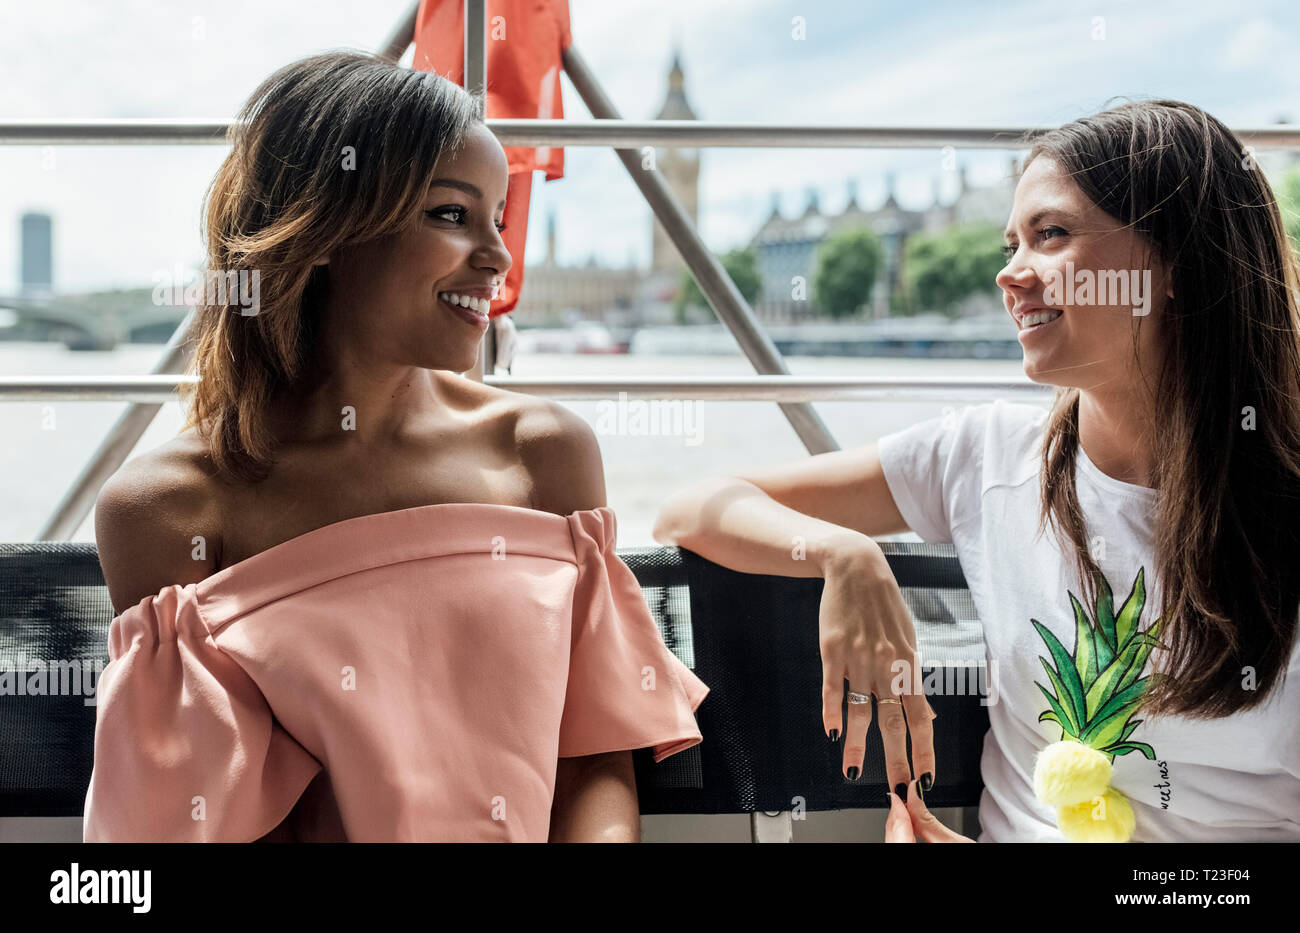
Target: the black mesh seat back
(754, 640)
(54, 619)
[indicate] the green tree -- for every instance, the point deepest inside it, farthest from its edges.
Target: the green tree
(1288, 197)
(847, 266)
(740, 264)
(940, 269)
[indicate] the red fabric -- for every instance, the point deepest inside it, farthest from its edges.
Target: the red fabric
(525, 41)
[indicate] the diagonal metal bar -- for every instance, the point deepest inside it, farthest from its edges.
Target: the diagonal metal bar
(401, 37)
(116, 445)
(721, 292)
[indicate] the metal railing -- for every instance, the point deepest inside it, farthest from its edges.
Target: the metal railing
(156, 389)
(618, 133)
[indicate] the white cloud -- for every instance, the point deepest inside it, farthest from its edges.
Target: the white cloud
(1258, 44)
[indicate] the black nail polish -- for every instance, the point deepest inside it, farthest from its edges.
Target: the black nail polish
(927, 781)
(901, 790)
(835, 735)
(853, 773)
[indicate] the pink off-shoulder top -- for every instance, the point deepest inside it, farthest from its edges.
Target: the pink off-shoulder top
(404, 676)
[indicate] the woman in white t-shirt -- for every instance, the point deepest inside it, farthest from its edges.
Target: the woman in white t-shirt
(1131, 549)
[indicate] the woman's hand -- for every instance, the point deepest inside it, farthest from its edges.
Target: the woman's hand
(866, 636)
(911, 821)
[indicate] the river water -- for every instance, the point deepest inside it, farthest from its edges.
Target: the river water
(46, 444)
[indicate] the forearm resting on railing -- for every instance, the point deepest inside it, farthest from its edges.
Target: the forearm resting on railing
(732, 522)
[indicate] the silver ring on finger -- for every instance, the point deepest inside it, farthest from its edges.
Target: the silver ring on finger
(858, 698)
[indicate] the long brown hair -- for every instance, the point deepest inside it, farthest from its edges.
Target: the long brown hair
(334, 149)
(1226, 399)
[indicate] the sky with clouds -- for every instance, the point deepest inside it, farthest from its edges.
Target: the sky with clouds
(123, 213)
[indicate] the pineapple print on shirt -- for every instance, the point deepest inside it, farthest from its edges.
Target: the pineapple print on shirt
(1095, 692)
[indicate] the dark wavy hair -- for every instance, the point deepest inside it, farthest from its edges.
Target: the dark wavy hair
(1227, 541)
(335, 149)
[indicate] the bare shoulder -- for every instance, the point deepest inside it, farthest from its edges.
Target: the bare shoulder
(555, 447)
(561, 454)
(157, 521)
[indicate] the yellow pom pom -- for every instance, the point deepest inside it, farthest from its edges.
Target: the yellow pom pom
(1107, 818)
(1069, 772)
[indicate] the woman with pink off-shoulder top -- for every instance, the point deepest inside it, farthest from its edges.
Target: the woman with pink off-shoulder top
(362, 598)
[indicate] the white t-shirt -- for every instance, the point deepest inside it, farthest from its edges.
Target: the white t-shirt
(971, 477)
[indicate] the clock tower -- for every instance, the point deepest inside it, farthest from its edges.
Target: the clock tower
(680, 169)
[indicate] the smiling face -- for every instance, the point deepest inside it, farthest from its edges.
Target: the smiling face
(1065, 253)
(453, 245)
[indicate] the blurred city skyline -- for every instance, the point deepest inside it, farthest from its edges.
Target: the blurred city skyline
(121, 213)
